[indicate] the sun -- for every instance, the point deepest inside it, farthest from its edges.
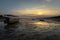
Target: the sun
(39, 13)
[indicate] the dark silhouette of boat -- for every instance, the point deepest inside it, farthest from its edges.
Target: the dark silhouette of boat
(10, 20)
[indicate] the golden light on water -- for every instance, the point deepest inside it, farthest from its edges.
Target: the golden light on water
(40, 23)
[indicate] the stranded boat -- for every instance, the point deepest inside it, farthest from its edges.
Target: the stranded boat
(10, 21)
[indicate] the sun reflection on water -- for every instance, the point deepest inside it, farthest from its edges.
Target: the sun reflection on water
(40, 23)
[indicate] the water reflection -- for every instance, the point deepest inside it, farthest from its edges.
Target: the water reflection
(32, 29)
(45, 23)
(46, 26)
(39, 25)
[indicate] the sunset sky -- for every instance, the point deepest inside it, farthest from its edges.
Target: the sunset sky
(30, 7)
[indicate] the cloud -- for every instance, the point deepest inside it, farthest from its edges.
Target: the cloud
(48, 0)
(35, 12)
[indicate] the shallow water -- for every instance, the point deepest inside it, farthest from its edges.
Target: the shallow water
(40, 25)
(32, 30)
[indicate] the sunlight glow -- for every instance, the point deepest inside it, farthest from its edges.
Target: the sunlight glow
(35, 12)
(40, 23)
(40, 13)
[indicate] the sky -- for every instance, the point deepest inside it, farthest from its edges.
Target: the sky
(30, 7)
